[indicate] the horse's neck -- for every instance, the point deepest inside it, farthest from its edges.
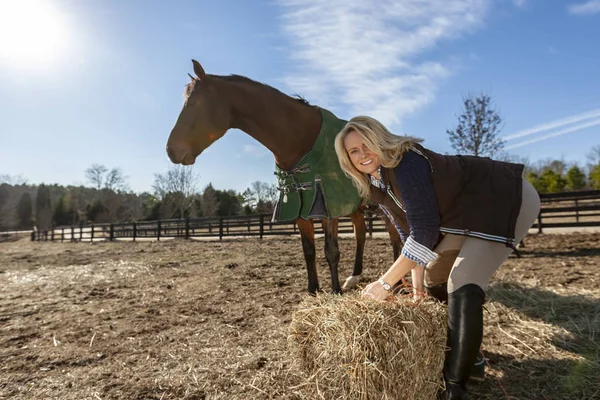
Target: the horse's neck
(282, 124)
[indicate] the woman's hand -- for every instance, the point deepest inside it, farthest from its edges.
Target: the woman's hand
(375, 291)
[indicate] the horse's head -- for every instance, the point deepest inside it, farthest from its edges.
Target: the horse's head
(205, 117)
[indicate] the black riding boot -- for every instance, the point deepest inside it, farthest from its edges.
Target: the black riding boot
(465, 332)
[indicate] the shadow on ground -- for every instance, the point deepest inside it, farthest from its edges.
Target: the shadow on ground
(539, 375)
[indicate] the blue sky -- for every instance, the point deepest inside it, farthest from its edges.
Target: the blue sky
(101, 81)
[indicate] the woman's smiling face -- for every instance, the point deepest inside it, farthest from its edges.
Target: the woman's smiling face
(361, 156)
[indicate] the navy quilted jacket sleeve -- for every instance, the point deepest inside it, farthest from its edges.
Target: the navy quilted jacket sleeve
(413, 175)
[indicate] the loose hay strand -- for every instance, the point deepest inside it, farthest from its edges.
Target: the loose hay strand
(354, 348)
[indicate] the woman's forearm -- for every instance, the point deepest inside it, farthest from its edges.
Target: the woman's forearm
(398, 270)
(418, 276)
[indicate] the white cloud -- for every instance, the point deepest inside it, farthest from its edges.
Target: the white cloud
(561, 132)
(588, 8)
(255, 151)
(559, 123)
(371, 57)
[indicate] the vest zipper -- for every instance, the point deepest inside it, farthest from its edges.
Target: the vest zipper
(389, 190)
(424, 156)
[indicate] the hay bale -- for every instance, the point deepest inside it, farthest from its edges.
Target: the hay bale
(353, 348)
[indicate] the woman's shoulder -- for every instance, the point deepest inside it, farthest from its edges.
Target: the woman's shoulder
(413, 157)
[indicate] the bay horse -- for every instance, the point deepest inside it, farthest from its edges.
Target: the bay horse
(285, 125)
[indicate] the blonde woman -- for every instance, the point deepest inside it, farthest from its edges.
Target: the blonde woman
(468, 210)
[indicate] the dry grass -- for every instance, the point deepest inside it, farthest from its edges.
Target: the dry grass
(551, 337)
(209, 320)
(353, 348)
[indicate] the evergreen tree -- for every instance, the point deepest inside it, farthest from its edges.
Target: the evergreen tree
(43, 208)
(210, 202)
(536, 182)
(553, 181)
(25, 211)
(96, 212)
(595, 177)
(62, 215)
(575, 178)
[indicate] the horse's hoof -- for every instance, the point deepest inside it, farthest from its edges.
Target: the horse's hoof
(351, 283)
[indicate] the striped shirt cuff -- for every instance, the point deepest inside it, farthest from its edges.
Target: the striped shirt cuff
(420, 254)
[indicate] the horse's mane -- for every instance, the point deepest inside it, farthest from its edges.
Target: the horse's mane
(189, 88)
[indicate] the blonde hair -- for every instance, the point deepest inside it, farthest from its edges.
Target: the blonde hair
(387, 146)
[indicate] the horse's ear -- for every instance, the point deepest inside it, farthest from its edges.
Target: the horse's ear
(198, 70)
(191, 77)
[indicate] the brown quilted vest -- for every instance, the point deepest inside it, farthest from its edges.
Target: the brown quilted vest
(476, 196)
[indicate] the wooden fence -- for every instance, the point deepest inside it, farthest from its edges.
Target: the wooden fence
(559, 210)
(569, 210)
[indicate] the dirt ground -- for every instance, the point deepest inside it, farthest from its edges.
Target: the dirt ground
(209, 320)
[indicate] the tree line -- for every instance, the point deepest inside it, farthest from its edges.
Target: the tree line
(175, 193)
(107, 199)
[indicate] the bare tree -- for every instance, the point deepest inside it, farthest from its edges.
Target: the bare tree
(261, 195)
(181, 180)
(102, 178)
(593, 157)
(478, 128)
(12, 180)
(95, 174)
(115, 180)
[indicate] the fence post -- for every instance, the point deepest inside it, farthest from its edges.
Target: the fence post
(111, 235)
(220, 228)
(72, 233)
(187, 227)
(158, 228)
(80, 231)
(370, 226)
(92, 233)
(262, 225)
(576, 211)
(540, 222)
(134, 231)
(62, 235)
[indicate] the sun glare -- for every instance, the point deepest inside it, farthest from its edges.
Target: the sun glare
(32, 33)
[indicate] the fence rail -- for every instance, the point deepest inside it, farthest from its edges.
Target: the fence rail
(559, 210)
(569, 210)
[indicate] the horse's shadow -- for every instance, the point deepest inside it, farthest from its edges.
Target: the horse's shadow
(541, 374)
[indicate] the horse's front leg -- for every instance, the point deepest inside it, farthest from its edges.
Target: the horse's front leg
(332, 251)
(360, 235)
(307, 234)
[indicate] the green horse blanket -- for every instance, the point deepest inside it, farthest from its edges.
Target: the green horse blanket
(316, 187)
